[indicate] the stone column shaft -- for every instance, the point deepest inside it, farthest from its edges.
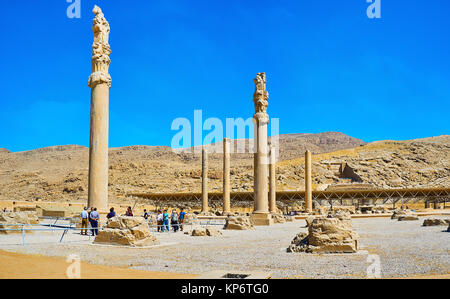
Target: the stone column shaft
(226, 176)
(273, 182)
(308, 182)
(261, 191)
(98, 149)
(99, 82)
(261, 215)
(204, 180)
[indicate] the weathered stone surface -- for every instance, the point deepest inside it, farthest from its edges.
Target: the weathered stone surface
(309, 220)
(400, 213)
(326, 235)
(198, 232)
(410, 217)
(435, 222)
(32, 217)
(238, 223)
(340, 214)
(324, 210)
(278, 218)
(212, 232)
(209, 214)
(8, 219)
(128, 231)
(99, 82)
(289, 218)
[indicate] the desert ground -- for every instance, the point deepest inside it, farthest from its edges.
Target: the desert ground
(405, 249)
(56, 178)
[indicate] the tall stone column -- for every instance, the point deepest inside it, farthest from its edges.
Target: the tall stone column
(226, 177)
(308, 185)
(100, 83)
(261, 215)
(204, 180)
(273, 181)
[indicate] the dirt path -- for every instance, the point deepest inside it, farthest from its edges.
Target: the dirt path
(23, 266)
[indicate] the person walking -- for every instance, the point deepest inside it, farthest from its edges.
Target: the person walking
(145, 214)
(181, 219)
(84, 221)
(166, 221)
(95, 217)
(159, 221)
(174, 221)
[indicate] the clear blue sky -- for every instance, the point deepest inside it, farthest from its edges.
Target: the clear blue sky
(329, 67)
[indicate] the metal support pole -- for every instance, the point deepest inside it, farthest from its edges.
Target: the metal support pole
(23, 235)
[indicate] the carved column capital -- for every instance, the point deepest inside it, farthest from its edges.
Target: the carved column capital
(100, 50)
(261, 118)
(261, 96)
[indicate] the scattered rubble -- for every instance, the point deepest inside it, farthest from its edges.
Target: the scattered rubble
(128, 231)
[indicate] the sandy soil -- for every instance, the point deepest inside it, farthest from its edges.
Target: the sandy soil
(23, 266)
(406, 249)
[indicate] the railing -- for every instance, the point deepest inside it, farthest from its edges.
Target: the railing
(64, 229)
(52, 228)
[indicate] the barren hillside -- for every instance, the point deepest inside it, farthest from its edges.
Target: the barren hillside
(60, 173)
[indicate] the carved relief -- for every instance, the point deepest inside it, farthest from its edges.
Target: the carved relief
(260, 98)
(100, 50)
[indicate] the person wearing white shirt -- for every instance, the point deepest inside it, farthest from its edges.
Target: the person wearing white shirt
(84, 221)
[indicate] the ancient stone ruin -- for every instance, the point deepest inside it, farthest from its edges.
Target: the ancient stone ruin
(333, 234)
(309, 220)
(127, 231)
(100, 83)
(14, 220)
(238, 223)
(278, 218)
(435, 222)
(205, 231)
(404, 215)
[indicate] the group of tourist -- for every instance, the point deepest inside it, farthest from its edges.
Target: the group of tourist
(92, 217)
(176, 220)
(163, 219)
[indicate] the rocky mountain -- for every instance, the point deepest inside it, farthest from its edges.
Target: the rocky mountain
(61, 172)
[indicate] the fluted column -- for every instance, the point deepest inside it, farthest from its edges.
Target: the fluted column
(226, 177)
(100, 83)
(273, 181)
(204, 180)
(308, 183)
